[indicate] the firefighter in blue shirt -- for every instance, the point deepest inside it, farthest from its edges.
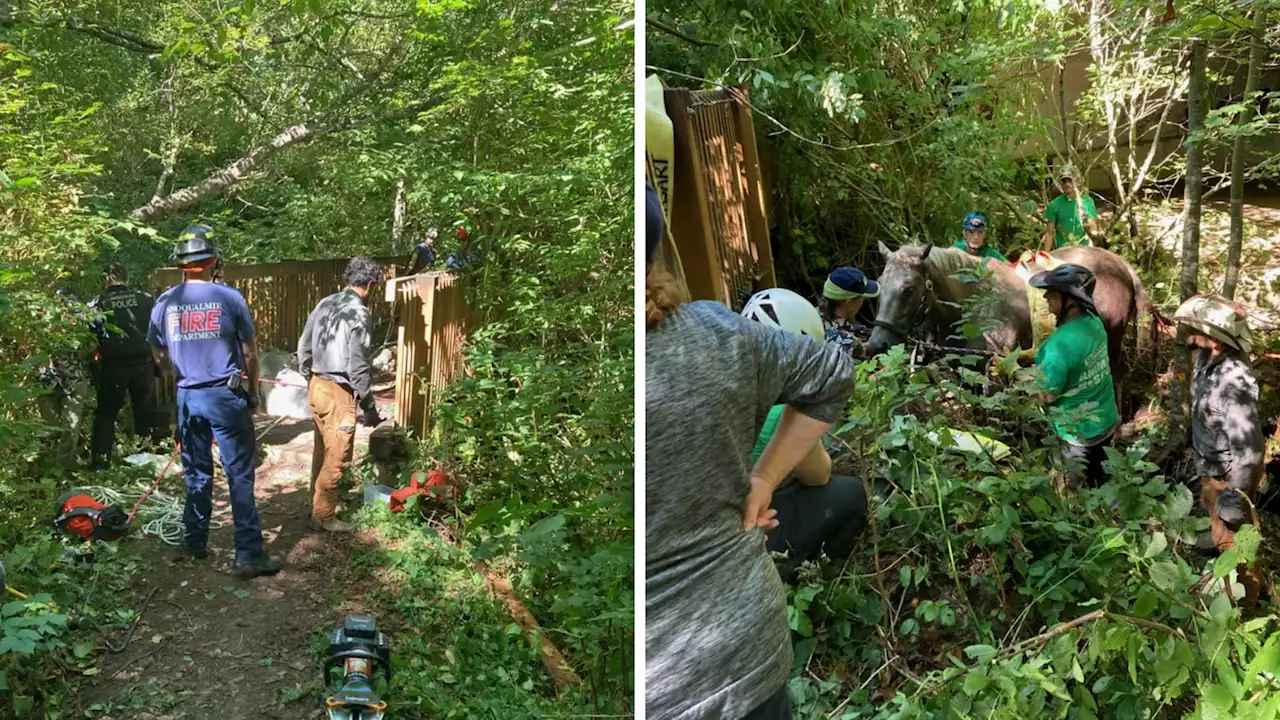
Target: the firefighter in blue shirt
(203, 337)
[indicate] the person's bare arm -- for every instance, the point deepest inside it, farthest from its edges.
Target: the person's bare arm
(814, 469)
(796, 435)
(1046, 242)
(163, 363)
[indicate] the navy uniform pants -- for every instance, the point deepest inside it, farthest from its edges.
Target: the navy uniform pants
(137, 379)
(218, 412)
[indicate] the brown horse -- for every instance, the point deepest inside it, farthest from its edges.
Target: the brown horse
(918, 284)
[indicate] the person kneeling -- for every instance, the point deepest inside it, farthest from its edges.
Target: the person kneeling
(817, 512)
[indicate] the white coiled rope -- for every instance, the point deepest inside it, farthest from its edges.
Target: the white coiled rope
(160, 514)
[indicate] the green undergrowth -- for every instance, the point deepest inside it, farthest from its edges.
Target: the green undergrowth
(52, 641)
(954, 603)
(456, 651)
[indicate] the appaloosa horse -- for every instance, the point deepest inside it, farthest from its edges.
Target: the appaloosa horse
(918, 284)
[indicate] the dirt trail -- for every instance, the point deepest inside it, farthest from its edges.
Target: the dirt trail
(210, 645)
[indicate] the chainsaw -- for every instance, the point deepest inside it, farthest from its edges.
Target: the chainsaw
(360, 651)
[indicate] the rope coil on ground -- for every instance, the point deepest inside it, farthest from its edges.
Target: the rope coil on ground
(159, 516)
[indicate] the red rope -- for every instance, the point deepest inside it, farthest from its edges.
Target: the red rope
(159, 476)
(282, 384)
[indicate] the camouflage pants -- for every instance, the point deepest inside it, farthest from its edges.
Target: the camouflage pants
(63, 409)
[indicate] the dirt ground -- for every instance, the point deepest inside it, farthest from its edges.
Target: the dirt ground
(210, 645)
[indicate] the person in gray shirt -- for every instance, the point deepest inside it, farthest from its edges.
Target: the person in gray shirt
(717, 641)
(1226, 431)
(333, 354)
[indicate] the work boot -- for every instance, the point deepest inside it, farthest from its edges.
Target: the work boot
(333, 525)
(260, 565)
(184, 554)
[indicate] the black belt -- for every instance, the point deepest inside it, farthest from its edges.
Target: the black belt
(203, 385)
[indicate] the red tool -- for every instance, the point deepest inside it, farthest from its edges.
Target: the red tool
(79, 514)
(438, 487)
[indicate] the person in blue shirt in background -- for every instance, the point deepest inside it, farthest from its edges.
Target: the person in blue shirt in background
(424, 254)
(203, 337)
(462, 258)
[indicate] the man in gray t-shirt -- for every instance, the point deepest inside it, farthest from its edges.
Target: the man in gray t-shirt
(717, 642)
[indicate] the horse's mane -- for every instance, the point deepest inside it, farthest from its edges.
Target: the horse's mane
(948, 260)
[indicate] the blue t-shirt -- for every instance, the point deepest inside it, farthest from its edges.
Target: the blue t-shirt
(459, 260)
(202, 326)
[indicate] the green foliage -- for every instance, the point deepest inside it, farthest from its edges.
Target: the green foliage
(457, 652)
(898, 118)
(952, 607)
(512, 120)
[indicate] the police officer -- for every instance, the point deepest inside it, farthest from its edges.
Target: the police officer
(203, 334)
(125, 362)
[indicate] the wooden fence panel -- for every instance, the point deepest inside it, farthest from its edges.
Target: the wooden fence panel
(433, 322)
(718, 218)
(282, 295)
(430, 311)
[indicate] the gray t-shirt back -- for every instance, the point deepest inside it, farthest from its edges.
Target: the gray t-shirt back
(717, 643)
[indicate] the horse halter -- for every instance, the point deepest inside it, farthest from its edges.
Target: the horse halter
(917, 317)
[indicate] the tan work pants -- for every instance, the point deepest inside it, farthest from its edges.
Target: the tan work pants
(333, 408)
(1225, 538)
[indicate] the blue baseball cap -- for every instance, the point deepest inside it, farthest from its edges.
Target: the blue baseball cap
(852, 282)
(654, 223)
(974, 221)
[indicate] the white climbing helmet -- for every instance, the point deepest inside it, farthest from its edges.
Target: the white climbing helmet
(785, 310)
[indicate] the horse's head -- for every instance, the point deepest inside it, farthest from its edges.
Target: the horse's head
(904, 288)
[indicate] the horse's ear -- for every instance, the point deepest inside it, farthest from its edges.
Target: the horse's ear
(924, 257)
(884, 250)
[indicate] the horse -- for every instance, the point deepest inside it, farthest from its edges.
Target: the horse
(918, 284)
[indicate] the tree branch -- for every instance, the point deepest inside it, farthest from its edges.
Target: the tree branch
(240, 170)
(652, 22)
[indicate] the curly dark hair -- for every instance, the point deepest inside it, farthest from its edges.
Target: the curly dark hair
(362, 272)
(116, 271)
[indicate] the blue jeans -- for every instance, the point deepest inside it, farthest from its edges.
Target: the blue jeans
(203, 414)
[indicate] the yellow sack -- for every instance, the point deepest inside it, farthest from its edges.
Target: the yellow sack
(660, 153)
(659, 143)
(1043, 322)
(973, 443)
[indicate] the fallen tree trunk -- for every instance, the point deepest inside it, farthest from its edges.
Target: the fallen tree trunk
(557, 666)
(239, 171)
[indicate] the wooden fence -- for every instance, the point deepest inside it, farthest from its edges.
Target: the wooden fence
(717, 207)
(282, 295)
(433, 316)
(430, 311)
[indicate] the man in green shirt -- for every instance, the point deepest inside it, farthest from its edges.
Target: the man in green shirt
(974, 226)
(1073, 220)
(1075, 372)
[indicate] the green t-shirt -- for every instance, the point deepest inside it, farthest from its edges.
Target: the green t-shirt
(1076, 370)
(987, 251)
(1066, 220)
(766, 432)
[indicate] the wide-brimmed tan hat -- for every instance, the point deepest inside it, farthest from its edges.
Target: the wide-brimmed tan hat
(1218, 318)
